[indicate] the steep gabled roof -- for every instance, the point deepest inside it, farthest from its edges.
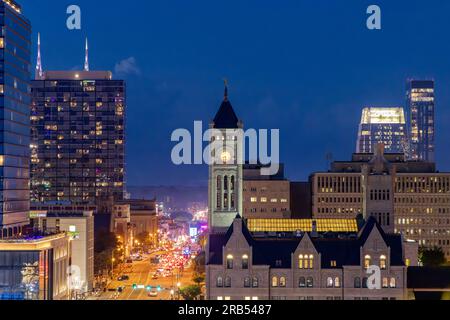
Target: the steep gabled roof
(226, 117)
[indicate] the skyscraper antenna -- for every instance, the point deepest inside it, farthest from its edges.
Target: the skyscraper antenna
(86, 58)
(39, 73)
(225, 96)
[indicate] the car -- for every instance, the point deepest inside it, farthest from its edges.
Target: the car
(123, 278)
(153, 294)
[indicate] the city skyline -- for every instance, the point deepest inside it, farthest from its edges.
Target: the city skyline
(170, 87)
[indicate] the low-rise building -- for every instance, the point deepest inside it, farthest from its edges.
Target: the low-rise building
(311, 266)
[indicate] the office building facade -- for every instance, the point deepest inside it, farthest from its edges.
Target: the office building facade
(382, 125)
(78, 137)
(15, 99)
(420, 98)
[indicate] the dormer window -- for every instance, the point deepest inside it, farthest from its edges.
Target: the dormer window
(383, 262)
(367, 261)
(229, 261)
(245, 261)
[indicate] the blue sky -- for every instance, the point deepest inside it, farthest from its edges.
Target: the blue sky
(304, 67)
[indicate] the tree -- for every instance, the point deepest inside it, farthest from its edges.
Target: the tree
(105, 241)
(434, 257)
(191, 292)
(199, 263)
(198, 279)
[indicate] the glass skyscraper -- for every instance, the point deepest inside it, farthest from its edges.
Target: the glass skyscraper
(15, 100)
(385, 125)
(421, 109)
(78, 137)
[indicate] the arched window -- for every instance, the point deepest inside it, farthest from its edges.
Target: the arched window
(228, 282)
(300, 261)
(245, 261)
(357, 282)
(311, 261)
(233, 202)
(330, 282)
(310, 282)
(247, 282)
(219, 182)
(225, 183)
(219, 283)
(274, 282)
(393, 283)
(232, 183)
(337, 282)
(302, 282)
(383, 262)
(282, 282)
(229, 261)
(255, 283)
(364, 283)
(385, 283)
(367, 261)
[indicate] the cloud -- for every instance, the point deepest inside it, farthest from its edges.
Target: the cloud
(127, 66)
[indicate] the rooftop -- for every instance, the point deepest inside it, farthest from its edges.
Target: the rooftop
(77, 75)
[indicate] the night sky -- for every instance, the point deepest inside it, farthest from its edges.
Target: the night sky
(305, 67)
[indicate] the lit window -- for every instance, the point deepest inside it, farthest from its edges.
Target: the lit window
(282, 282)
(274, 282)
(245, 261)
(367, 261)
(337, 282)
(393, 283)
(329, 282)
(383, 262)
(219, 283)
(2, 161)
(254, 199)
(263, 200)
(255, 283)
(229, 261)
(300, 261)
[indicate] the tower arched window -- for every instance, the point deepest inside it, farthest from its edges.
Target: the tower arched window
(219, 282)
(282, 282)
(232, 183)
(367, 261)
(245, 261)
(228, 282)
(300, 261)
(225, 183)
(274, 281)
(219, 182)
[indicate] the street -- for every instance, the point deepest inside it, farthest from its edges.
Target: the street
(140, 274)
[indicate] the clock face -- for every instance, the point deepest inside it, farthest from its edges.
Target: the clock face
(225, 157)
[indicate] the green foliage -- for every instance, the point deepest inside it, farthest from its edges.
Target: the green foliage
(191, 292)
(434, 257)
(198, 279)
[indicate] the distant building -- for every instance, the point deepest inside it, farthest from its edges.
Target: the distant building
(35, 267)
(78, 136)
(121, 225)
(79, 225)
(15, 49)
(308, 267)
(406, 197)
(385, 125)
(265, 197)
(421, 119)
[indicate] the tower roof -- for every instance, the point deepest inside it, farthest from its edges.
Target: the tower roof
(226, 117)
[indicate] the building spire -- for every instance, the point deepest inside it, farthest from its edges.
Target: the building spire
(39, 73)
(86, 58)
(225, 95)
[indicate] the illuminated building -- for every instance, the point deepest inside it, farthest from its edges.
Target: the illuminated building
(15, 41)
(301, 225)
(35, 267)
(382, 125)
(308, 266)
(78, 137)
(78, 223)
(421, 121)
(225, 184)
(407, 197)
(265, 196)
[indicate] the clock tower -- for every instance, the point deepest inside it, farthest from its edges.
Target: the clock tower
(225, 171)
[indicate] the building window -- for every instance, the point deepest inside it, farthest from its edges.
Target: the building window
(310, 282)
(300, 261)
(383, 262)
(245, 262)
(311, 261)
(219, 282)
(337, 282)
(302, 282)
(229, 261)
(274, 282)
(228, 282)
(367, 261)
(385, 283)
(247, 282)
(329, 282)
(219, 298)
(219, 182)
(253, 199)
(283, 282)
(357, 282)
(364, 283)
(255, 283)
(393, 283)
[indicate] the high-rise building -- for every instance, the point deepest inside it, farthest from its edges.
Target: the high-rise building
(421, 110)
(385, 125)
(15, 61)
(225, 184)
(78, 136)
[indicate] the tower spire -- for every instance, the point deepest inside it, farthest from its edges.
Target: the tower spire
(39, 73)
(225, 95)
(86, 58)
